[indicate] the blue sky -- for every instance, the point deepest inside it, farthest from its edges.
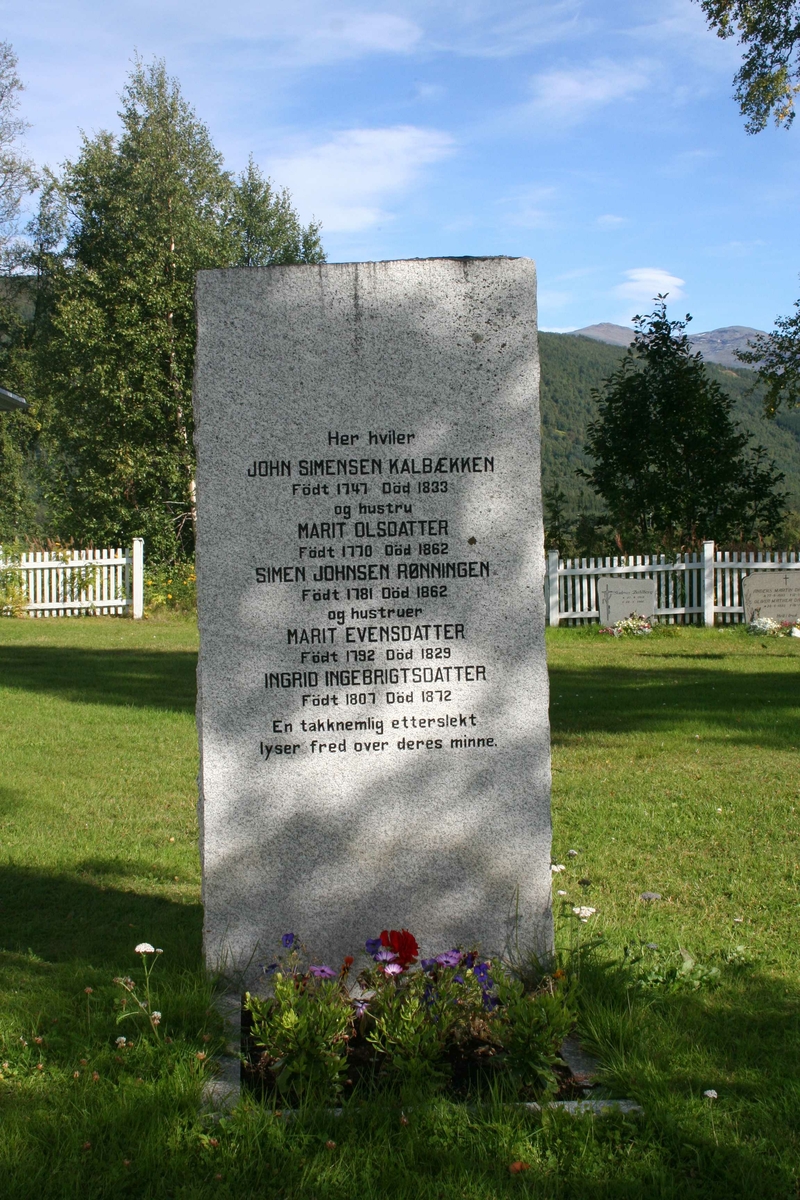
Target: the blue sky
(599, 139)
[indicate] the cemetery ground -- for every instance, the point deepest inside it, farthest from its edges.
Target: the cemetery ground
(676, 770)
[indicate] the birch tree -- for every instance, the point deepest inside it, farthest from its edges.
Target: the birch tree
(147, 210)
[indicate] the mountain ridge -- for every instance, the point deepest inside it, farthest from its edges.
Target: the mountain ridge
(573, 367)
(716, 345)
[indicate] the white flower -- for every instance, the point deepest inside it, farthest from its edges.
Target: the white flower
(121, 1041)
(765, 626)
(144, 948)
(155, 1018)
(556, 867)
(710, 1094)
(584, 912)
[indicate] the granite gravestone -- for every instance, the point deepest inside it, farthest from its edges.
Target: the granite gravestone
(774, 594)
(373, 697)
(618, 597)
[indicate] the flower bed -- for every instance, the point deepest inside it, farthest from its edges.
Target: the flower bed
(769, 627)
(635, 625)
(454, 1021)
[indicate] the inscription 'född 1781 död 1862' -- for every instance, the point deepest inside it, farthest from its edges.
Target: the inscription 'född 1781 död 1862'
(373, 701)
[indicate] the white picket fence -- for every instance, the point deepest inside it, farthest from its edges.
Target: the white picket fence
(94, 582)
(693, 589)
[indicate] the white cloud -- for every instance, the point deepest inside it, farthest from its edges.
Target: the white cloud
(609, 221)
(643, 283)
(687, 162)
(333, 36)
(346, 181)
(484, 29)
(565, 97)
(428, 91)
(529, 207)
(735, 248)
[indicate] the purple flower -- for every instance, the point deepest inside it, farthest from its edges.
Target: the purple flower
(359, 1008)
(427, 963)
(373, 945)
(268, 970)
(458, 979)
(287, 940)
(489, 1001)
(481, 973)
(469, 961)
(450, 958)
(393, 968)
(385, 956)
(322, 972)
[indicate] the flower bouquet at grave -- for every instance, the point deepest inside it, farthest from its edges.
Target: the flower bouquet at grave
(635, 625)
(769, 627)
(403, 1022)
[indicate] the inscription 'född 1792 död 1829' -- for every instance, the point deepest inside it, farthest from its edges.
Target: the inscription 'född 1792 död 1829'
(373, 700)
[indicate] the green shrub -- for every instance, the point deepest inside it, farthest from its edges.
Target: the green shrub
(407, 1024)
(170, 587)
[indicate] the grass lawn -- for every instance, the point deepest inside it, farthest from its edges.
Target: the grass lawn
(676, 770)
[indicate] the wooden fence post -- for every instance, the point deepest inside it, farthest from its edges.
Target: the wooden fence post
(137, 578)
(708, 584)
(552, 588)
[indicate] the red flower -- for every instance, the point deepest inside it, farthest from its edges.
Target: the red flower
(403, 943)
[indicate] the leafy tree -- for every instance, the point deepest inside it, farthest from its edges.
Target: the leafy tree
(766, 85)
(557, 531)
(769, 78)
(777, 357)
(17, 175)
(146, 211)
(18, 434)
(671, 465)
(265, 227)
(17, 430)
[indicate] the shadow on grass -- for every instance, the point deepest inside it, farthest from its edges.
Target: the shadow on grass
(666, 1049)
(141, 678)
(61, 918)
(11, 801)
(758, 707)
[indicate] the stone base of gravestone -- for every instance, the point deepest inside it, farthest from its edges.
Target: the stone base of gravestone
(373, 698)
(618, 597)
(774, 594)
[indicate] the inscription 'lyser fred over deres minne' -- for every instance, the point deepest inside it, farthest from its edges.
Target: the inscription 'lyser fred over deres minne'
(373, 695)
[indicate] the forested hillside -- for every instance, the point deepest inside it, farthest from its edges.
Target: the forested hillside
(572, 366)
